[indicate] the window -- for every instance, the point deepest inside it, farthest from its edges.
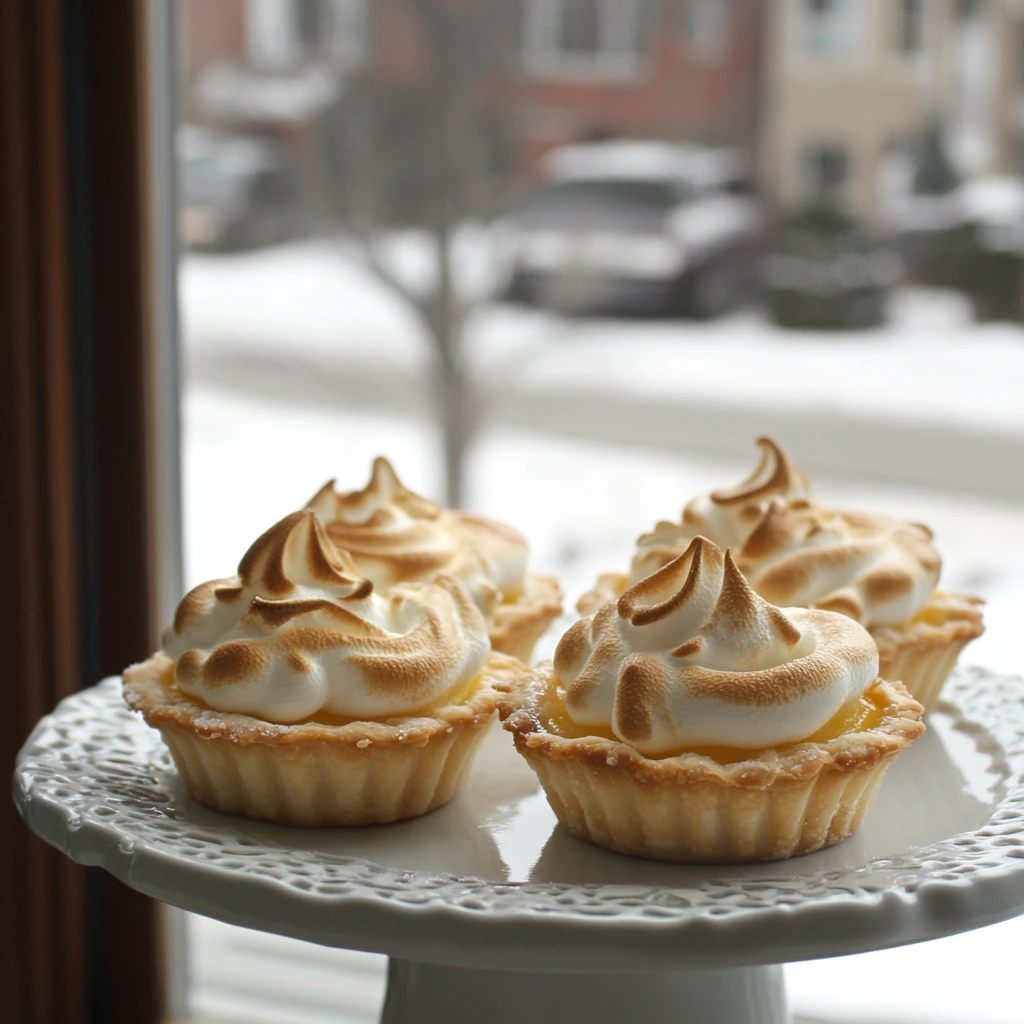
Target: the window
(826, 170)
(830, 28)
(579, 28)
(305, 359)
(1020, 55)
(285, 33)
(976, 80)
(706, 27)
(910, 27)
(593, 36)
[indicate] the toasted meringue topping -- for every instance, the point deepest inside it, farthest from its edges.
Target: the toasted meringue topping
(393, 535)
(691, 656)
(877, 570)
(299, 631)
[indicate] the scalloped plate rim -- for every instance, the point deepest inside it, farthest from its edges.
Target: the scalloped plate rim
(933, 908)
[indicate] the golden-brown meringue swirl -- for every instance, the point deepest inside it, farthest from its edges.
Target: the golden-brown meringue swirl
(298, 631)
(394, 535)
(875, 569)
(691, 657)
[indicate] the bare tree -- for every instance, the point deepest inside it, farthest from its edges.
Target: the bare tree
(426, 143)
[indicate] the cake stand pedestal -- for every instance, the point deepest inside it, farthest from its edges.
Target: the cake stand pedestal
(492, 914)
(421, 992)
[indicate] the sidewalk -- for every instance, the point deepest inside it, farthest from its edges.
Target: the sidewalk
(932, 397)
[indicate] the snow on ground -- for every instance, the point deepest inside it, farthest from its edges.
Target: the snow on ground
(929, 363)
(311, 299)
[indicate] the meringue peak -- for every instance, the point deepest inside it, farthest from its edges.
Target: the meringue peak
(396, 536)
(297, 551)
(668, 589)
(776, 474)
(740, 609)
(383, 490)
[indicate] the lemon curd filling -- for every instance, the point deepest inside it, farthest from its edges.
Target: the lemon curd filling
(934, 614)
(461, 693)
(865, 714)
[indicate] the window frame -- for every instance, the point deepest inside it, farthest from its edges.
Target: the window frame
(90, 541)
(544, 56)
(919, 32)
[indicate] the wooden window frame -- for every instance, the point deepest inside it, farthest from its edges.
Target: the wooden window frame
(88, 399)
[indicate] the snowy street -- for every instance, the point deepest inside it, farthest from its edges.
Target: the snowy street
(932, 399)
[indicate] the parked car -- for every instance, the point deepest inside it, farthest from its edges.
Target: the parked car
(640, 225)
(236, 191)
(825, 271)
(982, 255)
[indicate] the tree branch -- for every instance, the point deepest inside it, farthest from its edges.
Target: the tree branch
(373, 262)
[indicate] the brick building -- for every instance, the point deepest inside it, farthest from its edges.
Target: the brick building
(560, 70)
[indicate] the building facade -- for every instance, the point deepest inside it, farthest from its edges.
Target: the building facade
(685, 70)
(850, 87)
(570, 69)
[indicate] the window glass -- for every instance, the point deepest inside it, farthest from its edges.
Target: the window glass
(910, 37)
(829, 28)
(827, 170)
(562, 270)
(564, 36)
(706, 27)
(580, 26)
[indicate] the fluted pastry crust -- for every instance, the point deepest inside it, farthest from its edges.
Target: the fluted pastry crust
(517, 625)
(690, 808)
(315, 774)
(923, 653)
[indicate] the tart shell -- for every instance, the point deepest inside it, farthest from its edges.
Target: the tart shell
(313, 774)
(516, 627)
(690, 808)
(922, 653)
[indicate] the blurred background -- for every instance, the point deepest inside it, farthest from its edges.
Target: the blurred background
(562, 260)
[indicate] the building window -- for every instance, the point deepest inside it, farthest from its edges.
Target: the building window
(567, 36)
(706, 25)
(910, 27)
(1020, 55)
(283, 34)
(579, 28)
(826, 172)
(830, 28)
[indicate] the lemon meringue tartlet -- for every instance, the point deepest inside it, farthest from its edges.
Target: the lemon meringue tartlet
(880, 571)
(295, 693)
(396, 536)
(690, 720)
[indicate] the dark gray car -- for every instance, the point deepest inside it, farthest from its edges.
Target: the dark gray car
(236, 191)
(647, 227)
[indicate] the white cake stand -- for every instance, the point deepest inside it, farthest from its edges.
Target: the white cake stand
(491, 913)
